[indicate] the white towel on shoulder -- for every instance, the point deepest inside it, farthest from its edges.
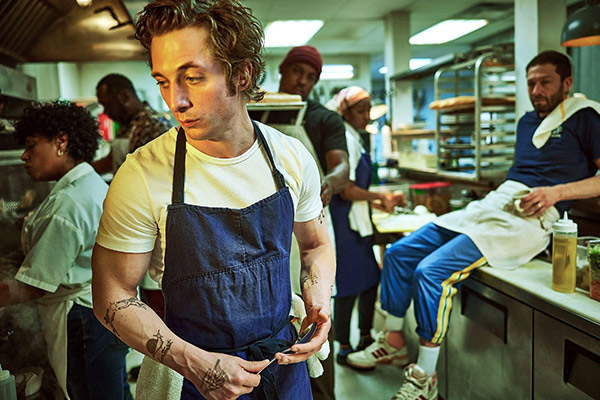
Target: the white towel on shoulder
(558, 116)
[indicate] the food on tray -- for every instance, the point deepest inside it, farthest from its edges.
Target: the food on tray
(465, 102)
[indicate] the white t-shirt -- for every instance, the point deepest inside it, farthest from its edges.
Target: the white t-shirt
(135, 209)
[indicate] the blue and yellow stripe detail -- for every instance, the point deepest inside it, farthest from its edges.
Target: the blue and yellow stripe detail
(448, 292)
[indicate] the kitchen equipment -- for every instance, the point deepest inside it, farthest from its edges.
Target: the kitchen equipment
(303, 337)
(594, 259)
(564, 255)
(433, 195)
(8, 390)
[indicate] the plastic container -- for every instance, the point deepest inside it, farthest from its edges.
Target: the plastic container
(433, 195)
(564, 255)
(8, 390)
(594, 258)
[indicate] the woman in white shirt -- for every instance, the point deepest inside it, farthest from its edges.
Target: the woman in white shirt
(60, 140)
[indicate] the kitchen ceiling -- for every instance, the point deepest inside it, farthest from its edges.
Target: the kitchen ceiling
(356, 26)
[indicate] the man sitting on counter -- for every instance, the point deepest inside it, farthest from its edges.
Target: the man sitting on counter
(557, 154)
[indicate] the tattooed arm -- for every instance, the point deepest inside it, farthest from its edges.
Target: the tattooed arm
(114, 289)
(316, 281)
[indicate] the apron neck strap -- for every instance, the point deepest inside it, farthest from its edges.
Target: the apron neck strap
(179, 168)
(279, 179)
(177, 196)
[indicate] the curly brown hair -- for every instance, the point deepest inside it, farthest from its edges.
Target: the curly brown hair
(236, 36)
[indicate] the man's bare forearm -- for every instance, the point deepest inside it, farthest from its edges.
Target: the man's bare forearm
(338, 177)
(317, 274)
(583, 189)
(136, 324)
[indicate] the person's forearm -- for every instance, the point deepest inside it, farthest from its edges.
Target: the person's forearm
(356, 193)
(583, 189)
(317, 275)
(338, 177)
(139, 326)
(14, 292)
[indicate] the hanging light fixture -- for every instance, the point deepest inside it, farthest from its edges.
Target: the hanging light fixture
(583, 27)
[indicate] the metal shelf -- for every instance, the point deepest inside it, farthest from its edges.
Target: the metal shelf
(488, 141)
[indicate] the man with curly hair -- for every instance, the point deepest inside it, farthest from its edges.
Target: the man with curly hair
(58, 236)
(218, 197)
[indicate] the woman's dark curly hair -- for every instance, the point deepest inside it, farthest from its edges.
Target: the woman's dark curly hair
(61, 117)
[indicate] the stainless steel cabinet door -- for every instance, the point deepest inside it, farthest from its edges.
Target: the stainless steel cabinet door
(489, 354)
(566, 362)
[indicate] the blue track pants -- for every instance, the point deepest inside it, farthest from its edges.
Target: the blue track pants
(427, 266)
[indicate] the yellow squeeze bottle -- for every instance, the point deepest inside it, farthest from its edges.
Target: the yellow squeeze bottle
(564, 255)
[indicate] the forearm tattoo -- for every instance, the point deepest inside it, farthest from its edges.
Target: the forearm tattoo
(321, 216)
(311, 279)
(157, 346)
(214, 378)
(112, 309)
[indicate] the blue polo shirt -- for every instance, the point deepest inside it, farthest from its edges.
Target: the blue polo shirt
(567, 156)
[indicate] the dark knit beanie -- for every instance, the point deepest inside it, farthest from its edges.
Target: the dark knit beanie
(306, 54)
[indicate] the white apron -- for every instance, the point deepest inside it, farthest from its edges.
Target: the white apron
(298, 132)
(506, 240)
(53, 309)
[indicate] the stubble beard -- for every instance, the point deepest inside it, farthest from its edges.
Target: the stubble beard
(551, 102)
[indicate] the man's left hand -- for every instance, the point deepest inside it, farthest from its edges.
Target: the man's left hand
(539, 200)
(301, 352)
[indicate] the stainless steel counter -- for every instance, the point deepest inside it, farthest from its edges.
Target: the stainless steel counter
(531, 284)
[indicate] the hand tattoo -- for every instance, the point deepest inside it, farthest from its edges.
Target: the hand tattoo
(214, 378)
(157, 346)
(112, 309)
(311, 278)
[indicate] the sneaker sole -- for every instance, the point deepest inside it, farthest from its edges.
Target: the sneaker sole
(397, 361)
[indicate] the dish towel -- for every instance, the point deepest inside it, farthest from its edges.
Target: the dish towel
(157, 381)
(558, 116)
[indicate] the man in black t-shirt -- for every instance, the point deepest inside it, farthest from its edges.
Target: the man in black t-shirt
(300, 71)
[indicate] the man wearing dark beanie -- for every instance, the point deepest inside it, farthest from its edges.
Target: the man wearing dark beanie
(300, 71)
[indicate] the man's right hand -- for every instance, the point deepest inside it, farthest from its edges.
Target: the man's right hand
(225, 377)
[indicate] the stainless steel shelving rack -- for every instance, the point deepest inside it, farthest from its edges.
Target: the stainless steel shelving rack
(476, 142)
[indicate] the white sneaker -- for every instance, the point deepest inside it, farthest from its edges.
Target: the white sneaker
(417, 385)
(378, 352)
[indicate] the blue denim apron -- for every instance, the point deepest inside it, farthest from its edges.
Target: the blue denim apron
(356, 267)
(227, 280)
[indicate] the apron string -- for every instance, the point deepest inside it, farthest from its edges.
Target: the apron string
(177, 196)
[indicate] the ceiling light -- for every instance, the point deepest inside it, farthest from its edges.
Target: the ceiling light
(84, 3)
(582, 28)
(337, 71)
(383, 70)
(447, 30)
(415, 63)
(290, 33)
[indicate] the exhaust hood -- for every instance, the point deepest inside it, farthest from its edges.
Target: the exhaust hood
(60, 30)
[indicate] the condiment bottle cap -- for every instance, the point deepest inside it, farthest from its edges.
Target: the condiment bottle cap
(565, 225)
